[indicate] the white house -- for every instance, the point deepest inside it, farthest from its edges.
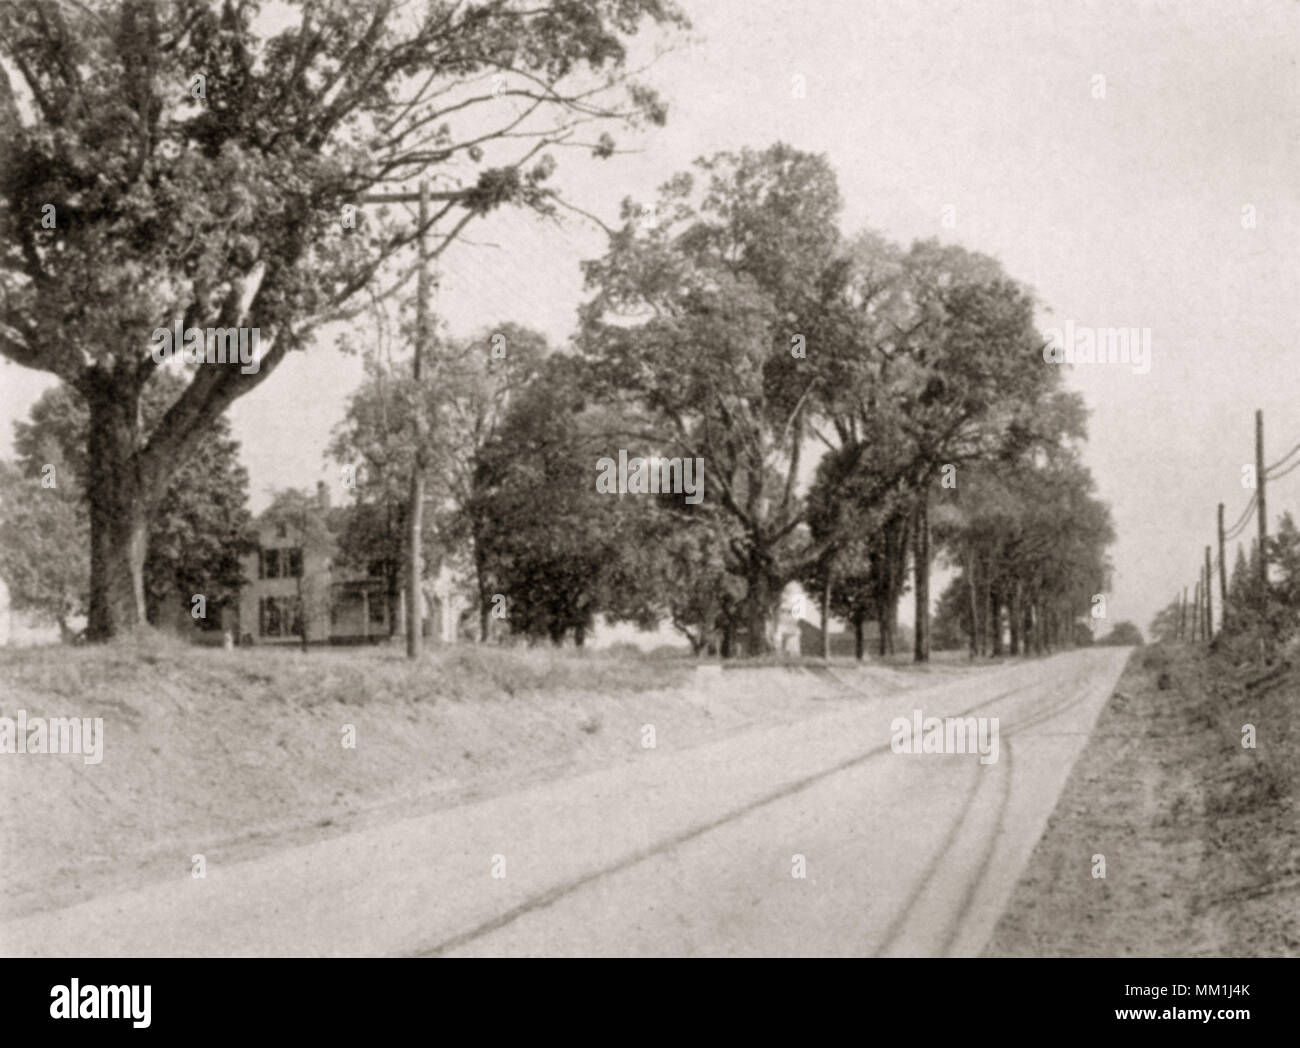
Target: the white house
(291, 588)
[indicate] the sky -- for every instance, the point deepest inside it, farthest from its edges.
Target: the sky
(1111, 155)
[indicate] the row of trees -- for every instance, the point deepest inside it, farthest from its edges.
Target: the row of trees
(849, 399)
(1028, 539)
(987, 466)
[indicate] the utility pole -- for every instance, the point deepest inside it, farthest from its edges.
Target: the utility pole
(1200, 603)
(415, 511)
(1223, 576)
(1260, 507)
(1209, 598)
(1196, 611)
(921, 559)
(1205, 606)
(1182, 616)
(423, 339)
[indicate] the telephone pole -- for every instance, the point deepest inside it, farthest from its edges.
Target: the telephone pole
(1223, 576)
(1182, 616)
(1260, 506)
(1196, 611)
(423, 339)
(1209, 598)
(415, 511)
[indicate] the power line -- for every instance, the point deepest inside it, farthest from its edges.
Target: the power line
(1232, 536)
(1279, 476)
(1247, 514)
(1280, 462)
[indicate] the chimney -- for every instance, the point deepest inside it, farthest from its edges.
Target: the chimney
(322, 495)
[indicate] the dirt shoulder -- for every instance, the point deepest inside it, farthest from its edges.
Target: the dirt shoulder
(1199, 833)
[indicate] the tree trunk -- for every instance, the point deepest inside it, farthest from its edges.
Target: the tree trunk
(859, 640)
(1013, 614)
(484, 606)
(896, 564)
(481, 580)
(759, 604)
(118, 512)
(974, 606)
(756, 642)
(827, 581)
(995, 624)
(986, 606)
(921, 650)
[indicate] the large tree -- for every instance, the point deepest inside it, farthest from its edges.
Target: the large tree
(548, 538)
(200, 526)
(970, 380)
(168, 163)
(703, 327)
(931, 361)
(860, 527)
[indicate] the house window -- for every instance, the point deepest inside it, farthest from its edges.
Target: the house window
(281, 530)
(376, 609)
(293, 569)
(271, 560)
(270, 617)
(280, 617)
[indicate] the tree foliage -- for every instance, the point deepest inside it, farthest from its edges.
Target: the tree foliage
(179, 164)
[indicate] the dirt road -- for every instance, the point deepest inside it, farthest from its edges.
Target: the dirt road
(682, 852)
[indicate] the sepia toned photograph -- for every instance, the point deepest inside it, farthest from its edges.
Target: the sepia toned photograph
(650, 479)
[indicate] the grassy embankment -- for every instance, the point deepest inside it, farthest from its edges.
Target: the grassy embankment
(230, 754)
